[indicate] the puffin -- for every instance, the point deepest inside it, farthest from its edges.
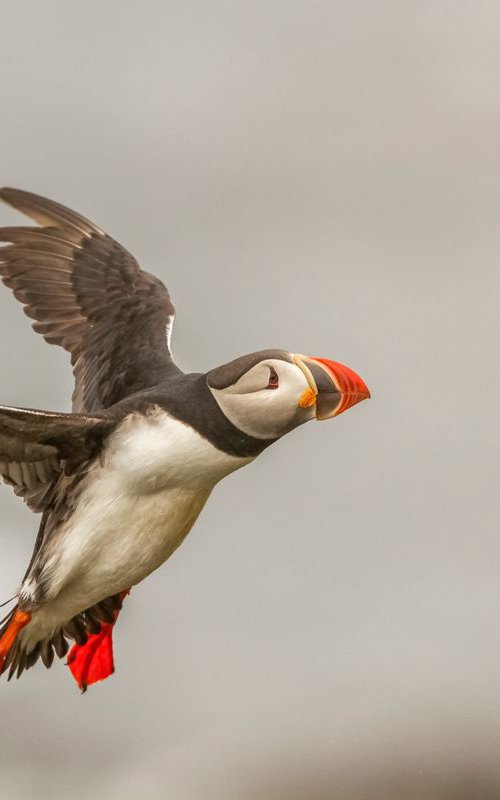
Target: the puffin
(120, 481)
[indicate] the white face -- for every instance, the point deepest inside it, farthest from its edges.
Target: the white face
(264, 402)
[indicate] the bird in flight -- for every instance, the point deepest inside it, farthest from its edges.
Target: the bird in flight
(121, 480)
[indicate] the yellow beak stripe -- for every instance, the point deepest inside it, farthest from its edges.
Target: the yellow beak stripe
(308, 398)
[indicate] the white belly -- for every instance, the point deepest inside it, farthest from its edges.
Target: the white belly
(119, 538)
(134, 510)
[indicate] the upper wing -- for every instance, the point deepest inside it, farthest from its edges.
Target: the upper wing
(35, 446)
(89, 295)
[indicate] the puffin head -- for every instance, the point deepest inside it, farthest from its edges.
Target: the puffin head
(269, 393)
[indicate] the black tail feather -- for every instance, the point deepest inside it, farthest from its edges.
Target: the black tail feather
(79, 629)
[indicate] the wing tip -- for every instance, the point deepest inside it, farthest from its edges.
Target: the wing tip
(48, 212)
(6, 192)
(14, 197)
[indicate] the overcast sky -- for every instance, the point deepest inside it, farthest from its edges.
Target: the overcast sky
(321, 177)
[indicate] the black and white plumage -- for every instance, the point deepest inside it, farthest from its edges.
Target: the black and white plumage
(121, 480)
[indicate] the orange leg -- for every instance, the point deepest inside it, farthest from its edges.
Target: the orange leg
(93, 661)
(19, 620)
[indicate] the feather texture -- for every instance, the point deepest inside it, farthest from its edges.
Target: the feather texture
(87, 294)
(36, 445)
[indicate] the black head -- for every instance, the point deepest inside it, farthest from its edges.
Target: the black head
(269, 393)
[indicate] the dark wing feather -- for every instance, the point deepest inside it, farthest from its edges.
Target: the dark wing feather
(87, 294)
(35, 446)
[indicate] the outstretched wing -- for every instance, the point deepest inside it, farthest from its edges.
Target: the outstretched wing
(35, 446)
(89, 295)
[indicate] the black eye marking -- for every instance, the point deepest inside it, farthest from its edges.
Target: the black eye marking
(274, 381)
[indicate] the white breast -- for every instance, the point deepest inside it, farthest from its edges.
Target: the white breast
(157, 451)
(135, 509)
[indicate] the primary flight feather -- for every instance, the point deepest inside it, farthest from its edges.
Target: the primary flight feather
(122, 479)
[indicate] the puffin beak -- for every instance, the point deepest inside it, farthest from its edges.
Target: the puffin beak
(333, 387)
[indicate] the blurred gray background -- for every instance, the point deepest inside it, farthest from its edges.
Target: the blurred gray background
(322, 177)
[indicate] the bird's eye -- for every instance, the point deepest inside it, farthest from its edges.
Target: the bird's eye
(273, 379)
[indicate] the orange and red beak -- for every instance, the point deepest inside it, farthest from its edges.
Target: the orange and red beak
(333, 387)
